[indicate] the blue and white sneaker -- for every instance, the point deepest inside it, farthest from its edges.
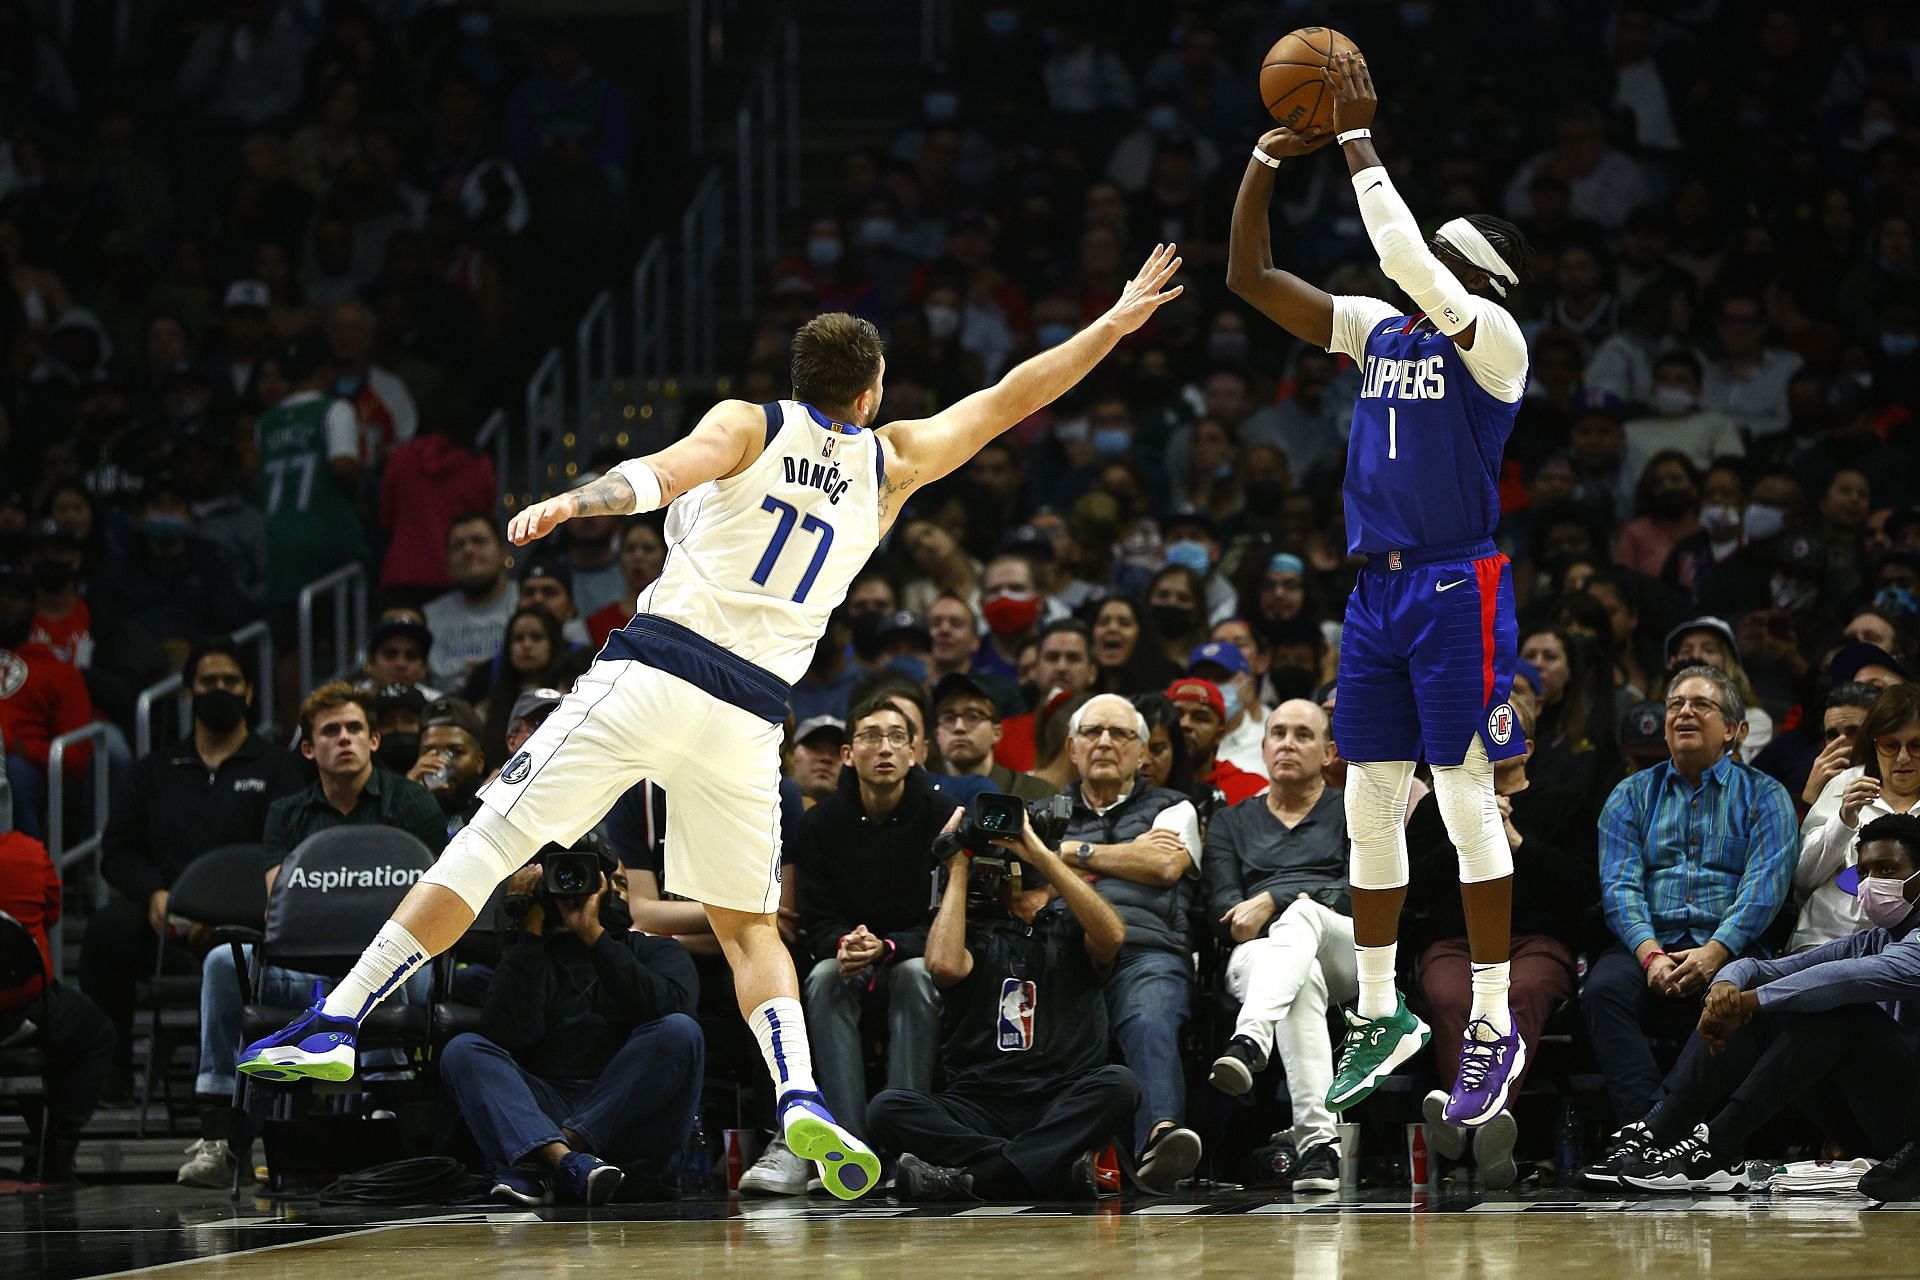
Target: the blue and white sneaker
(524, 1187)
(584, 1179)
(312, 1047)
(848, 1167)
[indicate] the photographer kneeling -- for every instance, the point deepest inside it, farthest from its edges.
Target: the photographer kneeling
(1029, 1098)
(586, 1049)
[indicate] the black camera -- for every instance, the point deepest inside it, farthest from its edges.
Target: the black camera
(570, 873)
(995, 815)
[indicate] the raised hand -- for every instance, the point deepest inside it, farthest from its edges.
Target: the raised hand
(1146, 293)
(1354, 101)
(529, 524)
(1284, 144)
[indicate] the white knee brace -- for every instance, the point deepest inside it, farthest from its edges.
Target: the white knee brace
(1376, 823)
(485, 852)
(1472, 815)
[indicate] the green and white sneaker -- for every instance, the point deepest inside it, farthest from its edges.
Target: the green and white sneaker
(1371, 1049)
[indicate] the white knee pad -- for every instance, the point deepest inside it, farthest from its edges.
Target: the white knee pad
(1472, 815)
(1376, 823)
(485, 852)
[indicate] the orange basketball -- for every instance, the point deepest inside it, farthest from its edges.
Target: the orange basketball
(1293, 77)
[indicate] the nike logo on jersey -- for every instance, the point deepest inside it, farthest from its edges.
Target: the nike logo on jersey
(1448, 586)
(824, 477)
(1423, 379)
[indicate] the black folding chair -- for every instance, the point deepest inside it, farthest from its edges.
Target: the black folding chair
(333, 893)
(23, 1043)
(222, 887)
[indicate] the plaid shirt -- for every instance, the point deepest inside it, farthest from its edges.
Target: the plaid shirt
(1682, 865)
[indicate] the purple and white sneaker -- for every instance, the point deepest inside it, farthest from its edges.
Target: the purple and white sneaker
(1489, 1064)
(312, 1047)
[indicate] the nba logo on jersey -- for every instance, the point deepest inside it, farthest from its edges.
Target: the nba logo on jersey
(1500, 724)
(826, 447)
(1017, 999)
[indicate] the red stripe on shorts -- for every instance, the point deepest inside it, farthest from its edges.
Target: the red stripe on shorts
(1487, 574)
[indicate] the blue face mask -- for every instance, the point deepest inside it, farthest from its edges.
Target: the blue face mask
(909, 665)
(1112, 442)
(1230, 697)
(1189, 554)
(162, 526)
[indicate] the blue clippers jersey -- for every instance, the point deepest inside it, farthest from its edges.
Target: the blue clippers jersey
(1423, 457)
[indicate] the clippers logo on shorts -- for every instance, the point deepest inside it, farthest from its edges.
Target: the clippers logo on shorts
(1500, 724)
(1017, 999)
(517, 769)
(1393, 560)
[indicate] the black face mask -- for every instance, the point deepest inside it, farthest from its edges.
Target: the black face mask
(1265, 496)
(866, 634)
(615, 915)
(1670, 504)
(52, 575)
(221, 710)
(1171, 621)
(397, 751)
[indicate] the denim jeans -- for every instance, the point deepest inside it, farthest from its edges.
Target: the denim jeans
(1149, 995)
(1624, 1017)
(637, 1113)
(834, 1005)
(222, 1013)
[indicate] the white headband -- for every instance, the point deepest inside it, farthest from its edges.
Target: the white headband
(1464, 237)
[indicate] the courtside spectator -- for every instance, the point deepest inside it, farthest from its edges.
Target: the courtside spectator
(466, 623)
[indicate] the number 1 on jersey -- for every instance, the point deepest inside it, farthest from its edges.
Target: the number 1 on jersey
(1393, 433)
(787, 514)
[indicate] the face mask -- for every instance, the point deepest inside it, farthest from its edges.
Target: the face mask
(1171, 621)
(912, 666)
(941, 105)
(866, 635)
(874, 233)
(52, 575)
(166, 527)
(1052, 335)
(1670, 504)
(1792, 594)
(1671, 402)
(1010, 612)
(1764, 521)
(1883, 901)
(1720, 520)
(475, 26)
(1900, 345)
(1190, 554)
(1112, 442)
(942, 322)
(221, 710)
(397, 751)
(1164, 118)
(1230, 698)
(824, 251)
(1227, 348)
(1896, 600)
(615, 915)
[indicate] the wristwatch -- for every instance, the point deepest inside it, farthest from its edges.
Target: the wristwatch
(1083, 854)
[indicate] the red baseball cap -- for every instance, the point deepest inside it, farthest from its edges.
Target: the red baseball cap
(1194, 689)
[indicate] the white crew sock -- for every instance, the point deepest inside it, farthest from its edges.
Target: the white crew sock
(782, 1032)
(1374, 967)
(388, 961)
(1490, 996)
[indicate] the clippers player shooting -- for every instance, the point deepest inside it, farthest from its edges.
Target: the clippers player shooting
(1426, 657)
(772, 511)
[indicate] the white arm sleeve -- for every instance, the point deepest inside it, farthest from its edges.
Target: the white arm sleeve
(343, 431)
(1354, 318)
(1498, 358)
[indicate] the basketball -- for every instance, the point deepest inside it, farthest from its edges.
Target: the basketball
(1293, 77)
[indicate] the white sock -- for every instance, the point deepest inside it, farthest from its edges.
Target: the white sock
(1374, 965)
(388, 961)
(1490, 996)
(782, 1032)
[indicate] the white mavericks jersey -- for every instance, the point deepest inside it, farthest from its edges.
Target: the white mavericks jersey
(757, 562)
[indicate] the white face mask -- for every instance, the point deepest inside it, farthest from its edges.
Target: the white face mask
(1721, 521)
(1764, 521)
(1883, 900)
(1671, 402)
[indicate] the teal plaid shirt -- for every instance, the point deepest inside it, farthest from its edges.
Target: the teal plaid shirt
(1682, 865)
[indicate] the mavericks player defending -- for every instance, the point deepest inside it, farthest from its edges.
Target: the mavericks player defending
(774, 509)
(1426, 657)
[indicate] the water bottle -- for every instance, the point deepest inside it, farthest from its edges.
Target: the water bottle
(699, 1170)
(1567, 1156)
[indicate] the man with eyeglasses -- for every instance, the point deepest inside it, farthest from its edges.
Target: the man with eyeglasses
(866, 864)
(966, 726)
(1141, 848)
(1696, 859)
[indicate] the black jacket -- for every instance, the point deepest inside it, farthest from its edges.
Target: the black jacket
(563, 1009)
(1556, 870)
(854, 870)
(176, 810)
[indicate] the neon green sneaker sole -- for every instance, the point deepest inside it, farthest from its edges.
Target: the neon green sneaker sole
(287, 1064)
(848, 1169)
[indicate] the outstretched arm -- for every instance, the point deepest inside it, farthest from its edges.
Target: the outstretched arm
(1284, 298)
(726, 441)
(919, 452)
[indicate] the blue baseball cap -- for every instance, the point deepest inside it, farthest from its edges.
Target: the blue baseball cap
(1221, 654)
(1521, 667)
(1287, 562)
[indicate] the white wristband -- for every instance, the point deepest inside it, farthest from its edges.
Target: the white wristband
(1265, 159)
(1350, 135)
(646, 485)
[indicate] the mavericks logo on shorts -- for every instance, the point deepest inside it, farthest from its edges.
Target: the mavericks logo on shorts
(521, 765)
(1499, 724)
(1017, 999)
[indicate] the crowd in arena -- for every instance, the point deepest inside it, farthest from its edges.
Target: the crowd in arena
(230, 373)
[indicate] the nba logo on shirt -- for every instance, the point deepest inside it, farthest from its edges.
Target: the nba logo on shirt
(1500, 724)
(1017, 999)
(826, 447)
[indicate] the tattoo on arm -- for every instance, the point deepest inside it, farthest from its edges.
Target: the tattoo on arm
(894, 490)
(610, 495)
